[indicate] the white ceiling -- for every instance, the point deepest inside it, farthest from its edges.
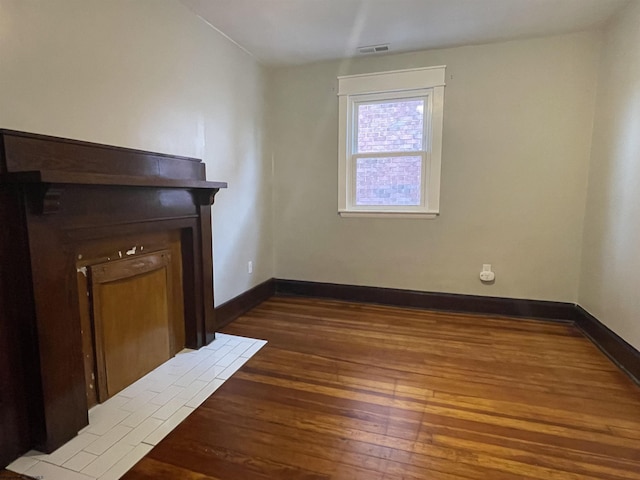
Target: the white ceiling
(280, 32)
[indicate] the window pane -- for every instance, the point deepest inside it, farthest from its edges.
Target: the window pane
(394, 126)
(388, 181)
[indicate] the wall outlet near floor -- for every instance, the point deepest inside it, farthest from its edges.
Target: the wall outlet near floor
(486, 275)
(249, 267)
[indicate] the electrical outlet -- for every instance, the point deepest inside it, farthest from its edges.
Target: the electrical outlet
(486, 275)
(249, 267)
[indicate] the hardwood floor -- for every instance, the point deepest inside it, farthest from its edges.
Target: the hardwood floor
(362, 392)
(7, 475)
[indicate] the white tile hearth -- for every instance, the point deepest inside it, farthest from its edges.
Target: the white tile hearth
(125, 428)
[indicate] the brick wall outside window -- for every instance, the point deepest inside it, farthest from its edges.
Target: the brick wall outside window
(387, 127)
(388, 181)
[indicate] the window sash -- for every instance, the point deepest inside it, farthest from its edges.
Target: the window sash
(352, 138)
(385, 86)
(353, 185)
(381, 98)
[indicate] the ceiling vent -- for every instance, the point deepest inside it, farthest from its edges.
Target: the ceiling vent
(374, 49)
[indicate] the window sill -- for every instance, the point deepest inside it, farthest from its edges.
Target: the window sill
(363, 214)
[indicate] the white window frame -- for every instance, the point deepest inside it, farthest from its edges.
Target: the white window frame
(418, 83)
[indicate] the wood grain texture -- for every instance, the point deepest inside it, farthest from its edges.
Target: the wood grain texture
(353, 391)
(28, 152)
(103, 251)
(623, 354)
(7, 475)
(132, 301)
(83, 193)
(454, 302)
(232, 309)
(17, 360)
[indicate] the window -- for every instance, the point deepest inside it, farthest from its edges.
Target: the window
(390, 143)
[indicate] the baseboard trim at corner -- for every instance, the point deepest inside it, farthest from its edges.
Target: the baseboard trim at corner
(453, 302)
(625, 356)
(232, 309)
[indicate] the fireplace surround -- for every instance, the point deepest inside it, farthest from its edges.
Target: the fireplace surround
(60, 199)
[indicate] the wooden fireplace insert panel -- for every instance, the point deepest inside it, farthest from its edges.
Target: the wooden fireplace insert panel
(133, 331)
(96, 193)
(129, 247)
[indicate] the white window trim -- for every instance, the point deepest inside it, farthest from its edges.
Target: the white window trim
(418, 82)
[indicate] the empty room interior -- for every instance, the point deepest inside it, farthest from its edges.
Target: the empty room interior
(320, 239)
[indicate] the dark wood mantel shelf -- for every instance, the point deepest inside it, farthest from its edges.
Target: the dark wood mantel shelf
(52, 183)
(59, 199)
(79, 178)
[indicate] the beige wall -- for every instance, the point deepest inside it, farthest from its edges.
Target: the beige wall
(148, 74)
(610, 278)
(517, 135)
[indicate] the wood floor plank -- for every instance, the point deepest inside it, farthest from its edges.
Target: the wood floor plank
(364, 392)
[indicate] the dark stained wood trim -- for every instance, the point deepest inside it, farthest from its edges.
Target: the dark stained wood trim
(206, 287)
(619, 351)
(625, 356)
(513, 307)
(232, 309)
(20, 400)
(93, 145)
(80, 178)
(338, 392)
(62, 195)
(614, 347)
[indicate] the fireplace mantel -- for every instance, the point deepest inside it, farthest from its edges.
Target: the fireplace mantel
(57, 196)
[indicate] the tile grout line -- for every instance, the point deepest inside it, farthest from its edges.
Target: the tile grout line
(105, 418)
